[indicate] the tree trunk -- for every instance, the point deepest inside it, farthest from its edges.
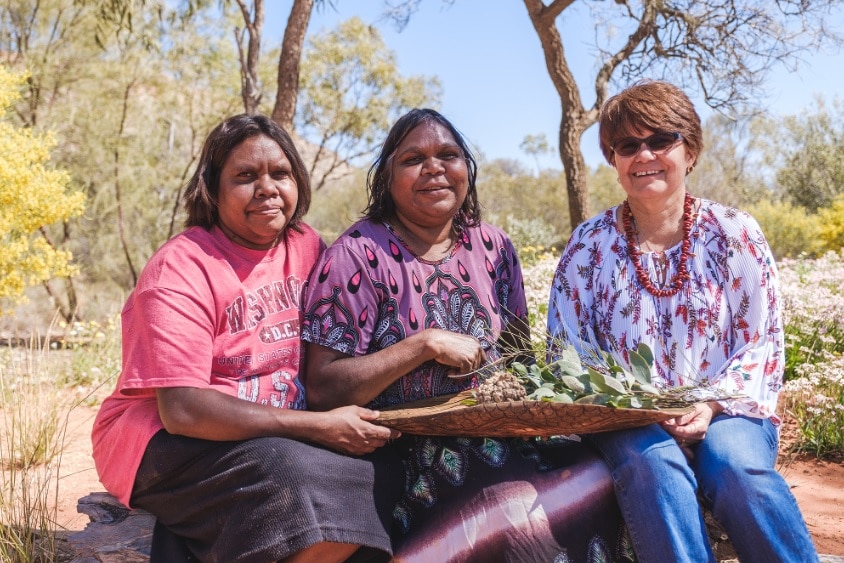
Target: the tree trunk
(118, 197)
(68, 306)
(288, 63)
(575, 118)
(249, 83)
(575, 169)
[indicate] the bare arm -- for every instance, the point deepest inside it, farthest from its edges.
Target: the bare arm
(212, 415)
(335, 379)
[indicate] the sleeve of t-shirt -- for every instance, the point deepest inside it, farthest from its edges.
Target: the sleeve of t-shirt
(168, 341)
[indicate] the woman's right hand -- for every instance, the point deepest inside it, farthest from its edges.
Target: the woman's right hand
(348, 430)
(335, 378)
(459, 351)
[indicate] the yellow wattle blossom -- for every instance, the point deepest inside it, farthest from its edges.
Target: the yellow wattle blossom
(32, 196)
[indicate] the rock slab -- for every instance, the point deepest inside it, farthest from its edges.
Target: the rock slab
(115, 534)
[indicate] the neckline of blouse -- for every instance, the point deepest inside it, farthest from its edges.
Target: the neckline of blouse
(449, 255)
(674, 248)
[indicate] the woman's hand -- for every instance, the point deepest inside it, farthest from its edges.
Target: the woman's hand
(691, 428)
(211, 415)
(348, 430)
(459, 351)
(334, 379)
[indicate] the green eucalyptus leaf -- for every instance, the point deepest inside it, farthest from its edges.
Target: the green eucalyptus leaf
(596, 378)
(519, 368)
(594, 399)
(567, 362)
(548, 376)
(640, 367)
(646, 388)
(646, 353)
(614, 386)
(563, 367)
(541, 393)
(560, 398)
(573, 383)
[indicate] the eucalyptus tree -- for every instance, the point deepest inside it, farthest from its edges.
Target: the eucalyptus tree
(723, 48)
(156, 95)
(351, 93)
(730, 170)
(535, 221)
(250, 55)
(129, 111)
(289, 59)
(535, 146)
(807, 152)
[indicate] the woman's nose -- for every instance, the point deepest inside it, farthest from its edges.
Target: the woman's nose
(645, 153)
(432, 165)
(265, 186)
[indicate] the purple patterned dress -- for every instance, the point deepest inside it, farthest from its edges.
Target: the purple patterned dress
(369, 291)
(467, 499)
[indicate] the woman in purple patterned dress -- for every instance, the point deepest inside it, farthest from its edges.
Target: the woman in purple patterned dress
(410, 301)
(696, 282)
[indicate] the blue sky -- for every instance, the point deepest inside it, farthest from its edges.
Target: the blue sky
(496, 88)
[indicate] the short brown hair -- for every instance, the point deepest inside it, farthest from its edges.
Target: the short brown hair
(649, 104)
(202, 190)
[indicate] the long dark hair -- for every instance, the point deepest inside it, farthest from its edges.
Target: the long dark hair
(381, 205)
(202, 190)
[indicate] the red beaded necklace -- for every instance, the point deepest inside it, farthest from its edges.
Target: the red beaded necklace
(682, 275)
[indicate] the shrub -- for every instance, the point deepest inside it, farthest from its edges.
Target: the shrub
(95, 358)
(538, 271)
(31, 197)
(832, 225)
(532, 234)
(791, 231)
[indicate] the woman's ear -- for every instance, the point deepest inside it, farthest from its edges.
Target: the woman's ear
(691, 160)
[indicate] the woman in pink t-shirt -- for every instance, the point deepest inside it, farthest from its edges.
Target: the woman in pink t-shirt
(206, 428)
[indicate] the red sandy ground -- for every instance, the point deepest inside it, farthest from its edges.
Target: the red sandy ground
(817, 485)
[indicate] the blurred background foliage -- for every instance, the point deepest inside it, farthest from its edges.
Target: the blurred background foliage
(128, 112)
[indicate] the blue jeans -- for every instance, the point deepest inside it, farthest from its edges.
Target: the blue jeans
(733, 467)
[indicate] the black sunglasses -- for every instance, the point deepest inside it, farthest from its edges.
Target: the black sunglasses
(656, 143)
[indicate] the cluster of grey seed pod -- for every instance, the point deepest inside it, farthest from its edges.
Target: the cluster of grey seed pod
(501, 386)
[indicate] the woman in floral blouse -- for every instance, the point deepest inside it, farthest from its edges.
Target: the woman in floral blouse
(696, 282)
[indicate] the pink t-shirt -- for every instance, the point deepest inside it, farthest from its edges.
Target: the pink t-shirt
(206, 313)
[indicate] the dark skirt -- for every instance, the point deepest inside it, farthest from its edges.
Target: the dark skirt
(264, 499)
(500, 500)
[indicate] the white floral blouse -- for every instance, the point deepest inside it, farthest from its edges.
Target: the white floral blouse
(723, 329)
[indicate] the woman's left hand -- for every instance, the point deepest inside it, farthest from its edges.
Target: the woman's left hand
(691, 428)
